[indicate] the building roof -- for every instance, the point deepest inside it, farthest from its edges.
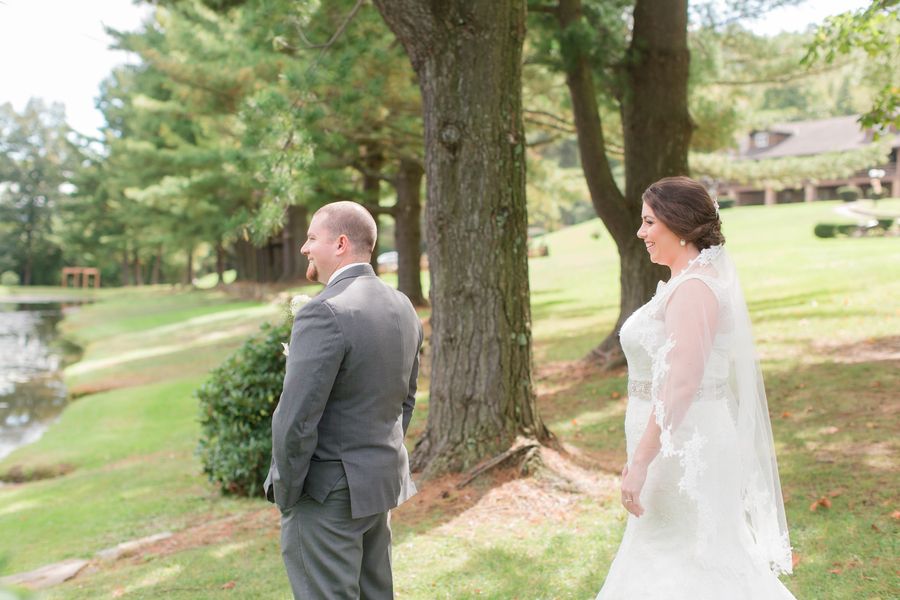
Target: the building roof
(804, 138)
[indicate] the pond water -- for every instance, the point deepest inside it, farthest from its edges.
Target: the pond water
(32, 393)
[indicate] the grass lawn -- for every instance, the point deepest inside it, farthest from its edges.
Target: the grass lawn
(827, 322)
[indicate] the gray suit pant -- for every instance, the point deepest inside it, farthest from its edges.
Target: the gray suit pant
(329, 555)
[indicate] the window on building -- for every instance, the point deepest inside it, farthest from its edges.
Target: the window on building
(761, 139)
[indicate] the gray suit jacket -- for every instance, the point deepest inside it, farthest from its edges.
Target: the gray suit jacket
(348, 396)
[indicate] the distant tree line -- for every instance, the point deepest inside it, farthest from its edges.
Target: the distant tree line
(241, 117)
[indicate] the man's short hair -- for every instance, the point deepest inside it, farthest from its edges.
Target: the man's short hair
(351, 219)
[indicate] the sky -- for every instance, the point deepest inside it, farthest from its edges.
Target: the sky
(58, 50)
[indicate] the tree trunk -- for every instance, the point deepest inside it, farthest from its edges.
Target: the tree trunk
(374, 162)
(125, 266)
(189, 271)
(138, 271)
(298, 220)
(29, 236)
(657, 135)
(245, 259)
(287, 250)
(157, 266)
(293, 264)
(407, 229)
(220, 263)
(468, 59)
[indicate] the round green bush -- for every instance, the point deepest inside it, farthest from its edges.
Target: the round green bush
(825, 230)
(849, 193)
(726, 202)
(9, 278)
(236, 406)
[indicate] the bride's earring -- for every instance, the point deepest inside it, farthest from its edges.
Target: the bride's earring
(683, 243)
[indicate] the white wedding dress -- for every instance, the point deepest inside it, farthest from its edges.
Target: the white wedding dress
(713, 526)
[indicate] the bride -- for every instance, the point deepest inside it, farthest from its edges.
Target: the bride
(701, 483)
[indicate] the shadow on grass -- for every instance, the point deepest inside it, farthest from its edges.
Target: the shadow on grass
(501, 572)
(757, 306)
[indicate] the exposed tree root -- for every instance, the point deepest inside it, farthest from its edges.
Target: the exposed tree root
(527, 452)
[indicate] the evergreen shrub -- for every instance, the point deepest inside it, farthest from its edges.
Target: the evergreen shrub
(726, 202)
(849, 193)
(236, 406)
(9, 278)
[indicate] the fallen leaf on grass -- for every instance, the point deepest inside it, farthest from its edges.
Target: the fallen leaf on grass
(829, 430)
(835, 571)
(824, 502)
(876, 528)
(615, 395)
(896, 515)
(228, 585)
(795, 560)
(785, 415)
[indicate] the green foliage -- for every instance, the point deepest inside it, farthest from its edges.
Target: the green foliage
(9, 278)
(874, 30)
(849, 193)
(789, 171)
(37, 158)
(825, 230)
(236, 406)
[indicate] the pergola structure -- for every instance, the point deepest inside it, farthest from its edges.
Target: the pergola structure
(81, 276)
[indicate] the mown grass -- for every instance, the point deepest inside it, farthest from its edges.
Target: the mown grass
(827, 322)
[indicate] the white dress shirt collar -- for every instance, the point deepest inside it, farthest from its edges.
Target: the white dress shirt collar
(342, 269)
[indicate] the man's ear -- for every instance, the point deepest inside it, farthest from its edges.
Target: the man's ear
(343, 244)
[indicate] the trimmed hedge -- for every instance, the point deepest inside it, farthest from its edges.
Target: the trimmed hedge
(726, 202)
(830, 230)
(849, 193)
(236, 406)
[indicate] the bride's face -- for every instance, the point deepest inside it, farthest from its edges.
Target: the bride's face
(662, 245)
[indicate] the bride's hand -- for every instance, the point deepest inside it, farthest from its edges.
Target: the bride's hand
(632, 483)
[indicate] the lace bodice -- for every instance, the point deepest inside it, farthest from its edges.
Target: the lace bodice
(643, 336)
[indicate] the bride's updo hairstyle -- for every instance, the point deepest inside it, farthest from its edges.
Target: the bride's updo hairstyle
(685, 207)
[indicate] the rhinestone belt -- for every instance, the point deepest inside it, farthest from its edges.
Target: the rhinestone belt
(642, 389)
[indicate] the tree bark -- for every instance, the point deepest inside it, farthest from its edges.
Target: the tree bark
(468, 59)
(189, 271)
(125, 267)
(157, 266)
(371, 185)
(657, 135)
(29, 243)
(293, 262)
(407, 229)
(220, 263)
(138, 268)
(29, 260)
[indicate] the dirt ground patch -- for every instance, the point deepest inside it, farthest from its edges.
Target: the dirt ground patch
(554, 377)
(213, 532)
(868, 350)
(502, 497)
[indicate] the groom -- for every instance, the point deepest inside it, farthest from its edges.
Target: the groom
(338, 460)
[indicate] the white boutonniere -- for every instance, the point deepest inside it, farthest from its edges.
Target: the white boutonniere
(297, 302)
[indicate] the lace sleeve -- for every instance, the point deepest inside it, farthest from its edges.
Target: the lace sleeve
(691, 321)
